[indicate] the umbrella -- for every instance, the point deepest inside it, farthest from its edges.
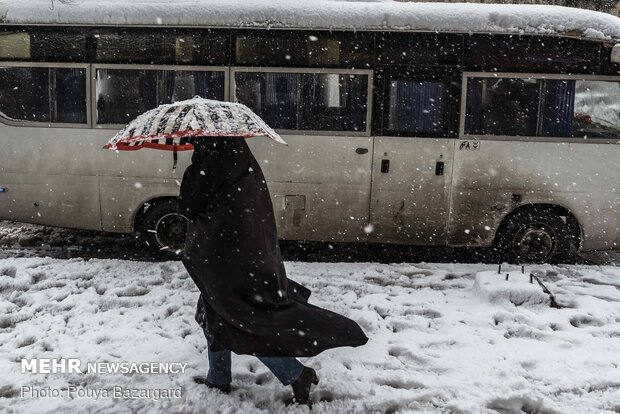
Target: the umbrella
(169, 126)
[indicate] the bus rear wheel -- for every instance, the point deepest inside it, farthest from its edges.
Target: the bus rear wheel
(163, 230)
(532, 236)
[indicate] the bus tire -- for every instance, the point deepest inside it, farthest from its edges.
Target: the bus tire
(535, 236)
(163, 230)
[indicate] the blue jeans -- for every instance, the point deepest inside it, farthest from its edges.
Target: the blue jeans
(286, 369)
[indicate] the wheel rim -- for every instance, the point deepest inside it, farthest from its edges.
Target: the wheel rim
(170, 232)
(535, 242)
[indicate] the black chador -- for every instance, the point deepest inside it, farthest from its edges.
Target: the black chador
(231, 252)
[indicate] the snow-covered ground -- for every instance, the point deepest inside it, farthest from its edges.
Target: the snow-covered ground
(439, 341)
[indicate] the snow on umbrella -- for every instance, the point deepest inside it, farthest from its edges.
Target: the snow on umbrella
(169, 126)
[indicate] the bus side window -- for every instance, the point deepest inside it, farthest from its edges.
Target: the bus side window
(418, 106)
(302, 49)
(419, 49)
(44, 45)
(596, 109)
(273, 96)
(14, 46)
(554, 108)
(504, 106)
(123, 94)
(160, 46)
(335, 102)
(54, 95)
(306, 101)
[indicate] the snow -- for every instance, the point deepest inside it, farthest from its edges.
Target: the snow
(319, 14)
(513, 287)
(436, 344)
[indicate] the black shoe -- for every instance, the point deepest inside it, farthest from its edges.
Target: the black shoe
(301, 387)
(225, 388)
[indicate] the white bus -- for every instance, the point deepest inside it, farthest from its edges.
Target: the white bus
(444, 124)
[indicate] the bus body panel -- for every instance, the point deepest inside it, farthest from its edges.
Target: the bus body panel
(52, 200)
(500, 176)
(599, 167)
(320, 185)
(50, 177)
(410, 195)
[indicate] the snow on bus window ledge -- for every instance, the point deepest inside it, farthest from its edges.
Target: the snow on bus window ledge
(320, 14)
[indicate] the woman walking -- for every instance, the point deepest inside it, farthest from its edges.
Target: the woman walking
(247, 304)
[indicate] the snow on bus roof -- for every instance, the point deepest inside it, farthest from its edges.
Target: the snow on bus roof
(319, 14)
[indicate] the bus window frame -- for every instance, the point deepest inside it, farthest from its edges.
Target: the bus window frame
(330, 71)
(537, 76)
(53, 65)
(97, 66)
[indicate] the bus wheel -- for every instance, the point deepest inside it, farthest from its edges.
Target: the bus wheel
(163, 229)
(535, 237)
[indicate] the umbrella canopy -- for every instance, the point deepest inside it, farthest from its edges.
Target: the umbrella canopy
(167, 127)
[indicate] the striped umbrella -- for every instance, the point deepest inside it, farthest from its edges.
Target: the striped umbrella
(168, 127)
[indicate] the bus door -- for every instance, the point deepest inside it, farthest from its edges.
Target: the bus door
(412, 162)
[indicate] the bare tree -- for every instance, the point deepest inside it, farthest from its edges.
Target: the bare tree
(601, 5)
(609, 6)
